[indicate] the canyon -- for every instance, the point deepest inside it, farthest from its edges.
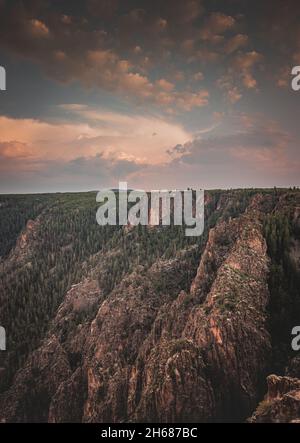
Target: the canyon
(150, 326)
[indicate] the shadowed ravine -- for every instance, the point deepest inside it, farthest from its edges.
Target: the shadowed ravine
(146, 325)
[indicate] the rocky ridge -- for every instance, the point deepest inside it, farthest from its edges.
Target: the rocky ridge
(160, 347)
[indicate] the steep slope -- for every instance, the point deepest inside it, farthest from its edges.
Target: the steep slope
(226, 334)
(281, 403)
(49, 255)
(181, 338)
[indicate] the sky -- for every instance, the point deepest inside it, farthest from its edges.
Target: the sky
(161, 94)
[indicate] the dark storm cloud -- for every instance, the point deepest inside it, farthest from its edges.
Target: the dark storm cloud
(98, 165)
(256, 140)
(102, 48)
(133, 37)
(279, 32)
(115, 45)
(158, 59)
(26, 173)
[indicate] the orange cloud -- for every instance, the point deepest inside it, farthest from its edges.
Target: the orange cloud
(108, 133)
(14, 149)
(38, 28)
(236, 42)
(165, 85)
(244, 63)
(216, 24)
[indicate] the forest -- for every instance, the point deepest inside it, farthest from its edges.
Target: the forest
(51, 242)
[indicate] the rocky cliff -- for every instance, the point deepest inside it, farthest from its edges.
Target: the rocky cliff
(184, 338)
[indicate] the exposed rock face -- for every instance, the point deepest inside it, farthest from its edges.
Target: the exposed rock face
(68, 400)
(25, 244)
(29, 397)
(233, 333)
(281, 403)
(161, 346)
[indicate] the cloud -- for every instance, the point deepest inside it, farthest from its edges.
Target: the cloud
(165, 85)
(256, 152)
(14, 149)
(198, 76)
(247, 60)
(240, 74)
(69, 50)
(104, 148)
(244, 64)
(283, 77)
(85, 131)
(80, 173)
(204, 56)
(38, 28)
(278, 28)
(132, 134)
(115, 55)
(182, 12)
(108, 71)
(242, 150)
(178, 149)
(215, 25)
(259, 143)
(236, 42)
(133, 53)
(190, 100)
(112, 168)
(232, 92)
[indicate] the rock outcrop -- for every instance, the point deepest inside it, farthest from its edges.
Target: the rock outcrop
(179, 340)
(281, 403)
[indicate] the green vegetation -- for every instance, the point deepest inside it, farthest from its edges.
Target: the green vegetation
(65, 242)
(284, 284)
(65, 236)
(59, 250)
